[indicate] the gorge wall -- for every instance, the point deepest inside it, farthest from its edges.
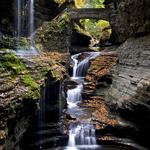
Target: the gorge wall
(128, 18)
(129, 91)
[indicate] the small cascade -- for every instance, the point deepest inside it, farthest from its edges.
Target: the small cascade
(83, 133)
(74, 58)
(80, 67)
(74, 96)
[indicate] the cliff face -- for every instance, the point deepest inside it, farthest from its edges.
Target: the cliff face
(22, 81)
(129, 18)
(7, 16)
(129, 93)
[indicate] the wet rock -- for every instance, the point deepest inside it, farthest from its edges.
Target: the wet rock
(70, 84)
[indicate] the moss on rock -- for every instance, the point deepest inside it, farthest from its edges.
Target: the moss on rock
(48, 35)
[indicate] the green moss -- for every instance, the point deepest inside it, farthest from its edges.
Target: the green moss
(29, 81)
(9, 62)
(24, 43)
(63, 23)
(33, 87)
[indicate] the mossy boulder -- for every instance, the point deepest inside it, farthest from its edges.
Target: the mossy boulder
(53, 35)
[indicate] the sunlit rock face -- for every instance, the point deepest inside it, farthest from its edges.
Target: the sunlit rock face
(129, 18)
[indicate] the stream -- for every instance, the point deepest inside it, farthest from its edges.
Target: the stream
(49, 131)
(82, 134)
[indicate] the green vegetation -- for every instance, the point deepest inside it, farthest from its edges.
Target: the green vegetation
(59, 1)
(99, 30)
(62, 24)
(23, 44)
(89, 3)
(29, 81)
(12, 42)
(9, 62)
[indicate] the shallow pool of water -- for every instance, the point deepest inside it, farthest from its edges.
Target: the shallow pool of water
(93, 147)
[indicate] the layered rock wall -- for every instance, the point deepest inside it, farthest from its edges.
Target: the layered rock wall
(129, 93)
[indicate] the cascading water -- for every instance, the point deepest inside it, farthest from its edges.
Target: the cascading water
(31, 26)
(80, 67)
(83, 133)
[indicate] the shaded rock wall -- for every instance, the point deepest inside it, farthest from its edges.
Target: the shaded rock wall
(129, 93)
(78, 39)
(7, 18)
(129, 18)
(132, 73)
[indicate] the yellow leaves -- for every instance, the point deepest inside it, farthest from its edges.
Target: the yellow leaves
(60, 1)
(103, 24)
(79, 3)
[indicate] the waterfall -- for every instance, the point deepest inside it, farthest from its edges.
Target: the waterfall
(29, 50)
(80, 67)
(83, 133)
(19, 8)
(19, 2)
(31, 17)
(74, 96)
(74, 58)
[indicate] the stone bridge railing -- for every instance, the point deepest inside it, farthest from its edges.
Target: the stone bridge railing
(89, 13)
